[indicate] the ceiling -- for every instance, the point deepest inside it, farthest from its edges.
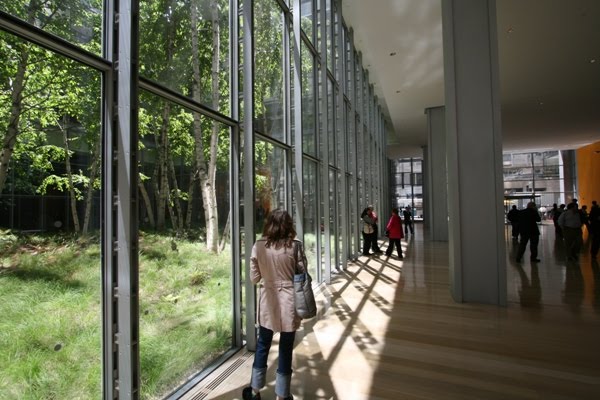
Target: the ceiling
(549, 53)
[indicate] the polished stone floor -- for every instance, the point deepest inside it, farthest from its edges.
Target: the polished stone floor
(388, 329)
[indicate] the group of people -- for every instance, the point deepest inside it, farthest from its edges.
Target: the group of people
(393, 231)
(568, 222)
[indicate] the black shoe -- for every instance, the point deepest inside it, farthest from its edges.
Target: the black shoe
(401, 256)
(535, 260)
(388, 254)
(518, 259)
(248, 394)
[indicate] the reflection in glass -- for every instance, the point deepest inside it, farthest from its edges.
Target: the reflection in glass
(185, 46)
(185, 254)
(270, 174)
(268, 63)
(329, 34)
(348, 70)
(309, 136)
(306, 18)
(78, 21)
(333, 219)
(50, 263)
(351, 155)
(310, 206)
(340, 218)
(330, 123)
(339, 141)
(352, 215)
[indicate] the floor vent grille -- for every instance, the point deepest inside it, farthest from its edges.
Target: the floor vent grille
(221, 377)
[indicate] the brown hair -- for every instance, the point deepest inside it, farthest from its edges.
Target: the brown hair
(279, 229)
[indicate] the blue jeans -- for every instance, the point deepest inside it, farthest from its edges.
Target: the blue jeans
(286, 347)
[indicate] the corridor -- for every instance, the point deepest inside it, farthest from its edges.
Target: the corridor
(388, 329)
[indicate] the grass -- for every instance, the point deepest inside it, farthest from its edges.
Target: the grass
(50, 303)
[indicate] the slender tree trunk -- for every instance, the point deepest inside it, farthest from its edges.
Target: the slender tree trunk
(147, 203)
(172, 214)
(190, 205)
(226, 232)
(90, 189)
(163, 149)
(163, 153)
(72, 197)
(16, 109)
(176, 196)
(206, 187)
(209, 185)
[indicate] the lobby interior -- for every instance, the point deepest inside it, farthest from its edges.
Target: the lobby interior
(454, 83)
(391, 329)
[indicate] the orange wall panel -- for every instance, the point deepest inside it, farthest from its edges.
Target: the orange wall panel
(588, 174)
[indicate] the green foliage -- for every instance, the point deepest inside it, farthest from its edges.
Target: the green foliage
(62, 184)
(59, 94)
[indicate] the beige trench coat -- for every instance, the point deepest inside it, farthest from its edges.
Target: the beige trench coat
(275, 268)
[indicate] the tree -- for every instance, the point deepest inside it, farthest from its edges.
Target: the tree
(45, 93)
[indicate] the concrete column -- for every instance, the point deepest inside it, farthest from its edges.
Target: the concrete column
(474, 152)
(437, 183)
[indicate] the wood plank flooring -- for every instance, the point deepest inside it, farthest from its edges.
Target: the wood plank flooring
(388, 329)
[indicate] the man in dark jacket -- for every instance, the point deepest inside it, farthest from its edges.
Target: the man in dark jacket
(408, 221)
(529, 231)
(513, 218)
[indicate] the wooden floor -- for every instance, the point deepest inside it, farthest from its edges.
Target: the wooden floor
(388, 329)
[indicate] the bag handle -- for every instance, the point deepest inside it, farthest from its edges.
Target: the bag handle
(295, 257)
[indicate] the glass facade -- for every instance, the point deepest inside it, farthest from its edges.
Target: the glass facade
(138, 151)
(540, 176)
(407, 185)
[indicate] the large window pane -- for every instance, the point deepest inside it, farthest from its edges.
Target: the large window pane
(310, 204)
(50, 275)
(185, 46)
(309, 134)
(333, 219)
(537, 175)
(270, 185)
(352, 215)
(269, 117)
(78, 21)
(185, 256)
(331, 122)
(307, 18)
(329, 34)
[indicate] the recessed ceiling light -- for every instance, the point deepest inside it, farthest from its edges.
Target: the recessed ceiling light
(592, 61)
(392, 54)
(510, 30)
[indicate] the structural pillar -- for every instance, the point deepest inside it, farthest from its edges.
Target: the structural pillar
(474, 152)
(437, 183)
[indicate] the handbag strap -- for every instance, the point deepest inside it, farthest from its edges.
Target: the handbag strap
(295, 257)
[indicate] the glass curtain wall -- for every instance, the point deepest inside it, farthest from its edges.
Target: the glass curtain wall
(121, 205)
(535, 175)
(407, 185)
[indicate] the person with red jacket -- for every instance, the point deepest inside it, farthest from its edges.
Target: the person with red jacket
(395, 233)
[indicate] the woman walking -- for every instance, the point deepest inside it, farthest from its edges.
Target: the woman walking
(275, 258)
(394, 229)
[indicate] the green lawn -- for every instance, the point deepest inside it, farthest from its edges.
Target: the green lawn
(50, 303)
